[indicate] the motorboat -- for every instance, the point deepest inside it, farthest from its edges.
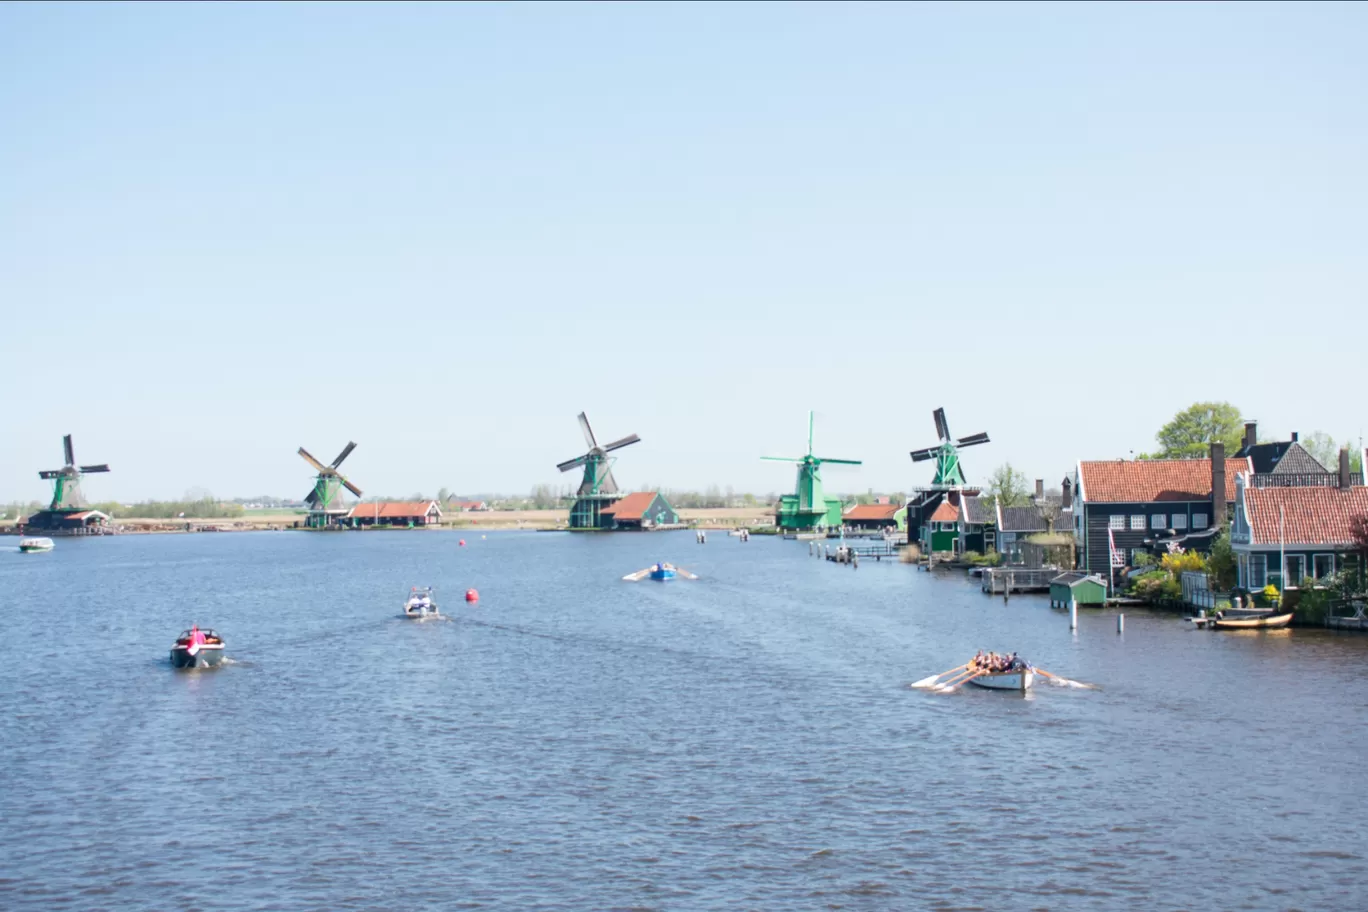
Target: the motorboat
(197, 648)
(35, 545)
(420, 605)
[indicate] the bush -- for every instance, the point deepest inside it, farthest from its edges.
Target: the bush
(1184, 562)
(1143, 559)
(1157, 585)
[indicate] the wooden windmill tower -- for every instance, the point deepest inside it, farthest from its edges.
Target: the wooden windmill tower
(598, 488)
(325, 503)
(935, 510)
(68, 501)
(808, 508)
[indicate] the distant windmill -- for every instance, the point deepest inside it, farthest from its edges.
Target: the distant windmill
(946, 453)
(66, 481)
(323, 500)
(598, 467)
(808, 507)
(597, 489)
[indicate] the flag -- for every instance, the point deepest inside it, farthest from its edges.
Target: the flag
(1117, 558)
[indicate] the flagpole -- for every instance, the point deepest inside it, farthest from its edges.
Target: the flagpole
(1282, 552)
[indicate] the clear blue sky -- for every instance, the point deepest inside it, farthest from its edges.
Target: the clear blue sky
(441, 231)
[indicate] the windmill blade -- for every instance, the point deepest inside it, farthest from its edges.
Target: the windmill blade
(50, 474)
(824, 461)
(619, 444)
(102, 467)
(312, 499)
(346, 451)
(313, 462)
(588, 431)
(783, 458)
(923, 455)
(972, 440)
(573, 463)
(351, 487)
(66, 448)
(942, 426)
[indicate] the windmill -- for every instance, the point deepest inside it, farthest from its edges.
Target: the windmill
(946, 453)
(597, 488)
(808, 507)
(66, 482)
(937, 510)
(325, 505)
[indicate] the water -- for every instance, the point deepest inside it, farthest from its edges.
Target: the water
(748, 740)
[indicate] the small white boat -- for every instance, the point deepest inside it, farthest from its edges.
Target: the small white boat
(420, 605)
(1020, 679)
(35, 545)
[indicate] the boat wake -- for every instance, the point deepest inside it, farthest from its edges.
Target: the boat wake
(1056, 681)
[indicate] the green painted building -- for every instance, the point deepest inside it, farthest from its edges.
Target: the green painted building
(808, 508)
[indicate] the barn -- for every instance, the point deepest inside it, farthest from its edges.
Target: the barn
(395, 513)
(642, 510)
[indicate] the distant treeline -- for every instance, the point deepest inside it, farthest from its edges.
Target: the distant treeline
(172, 509)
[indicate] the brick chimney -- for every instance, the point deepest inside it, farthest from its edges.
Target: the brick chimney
(1040, 489)
(1344, 468)
(1066, 497)
(1251, 436)
(1294, 436)
(1218, 486)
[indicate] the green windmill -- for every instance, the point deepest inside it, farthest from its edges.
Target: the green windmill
(808, 508)
(946, 453)
(598, 489)
(325, 506)
(934, 513)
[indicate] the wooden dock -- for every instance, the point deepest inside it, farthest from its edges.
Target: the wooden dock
(1003, 580)
(876, 552)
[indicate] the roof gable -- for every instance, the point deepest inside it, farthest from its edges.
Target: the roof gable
(978, 510)
(1304, 515)
(946, 512)
(394, 509)
(1295, 460)
(1021, 519)
(1154, 480)
(872, 512)
(633, 506)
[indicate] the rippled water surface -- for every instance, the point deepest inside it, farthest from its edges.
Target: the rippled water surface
(572, 741)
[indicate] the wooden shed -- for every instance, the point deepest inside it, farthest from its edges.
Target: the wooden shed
(1084, 588)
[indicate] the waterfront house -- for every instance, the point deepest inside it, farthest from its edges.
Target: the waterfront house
(1283, 534)
(1139, 502)
(977, 524)
(1083, 588)
(1014, 526)
(641, 510)
(395, 513)
(1285, 462)
(873, 517)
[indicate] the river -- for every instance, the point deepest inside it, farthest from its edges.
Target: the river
(572, 741)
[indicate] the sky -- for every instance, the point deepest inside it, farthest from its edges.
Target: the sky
(441, 231)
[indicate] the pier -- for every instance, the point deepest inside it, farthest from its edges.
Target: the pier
(1005, 580)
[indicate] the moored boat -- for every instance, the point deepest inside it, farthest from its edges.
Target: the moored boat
(420, 605)
(1251, 621)
(1021, 679)
(35, 545)
(197, 648)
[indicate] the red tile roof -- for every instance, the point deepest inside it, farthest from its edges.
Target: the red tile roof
(1149, 480)
(632, 506)
(1311, 515)
(946, 512)
(872, 512)
(395, 509)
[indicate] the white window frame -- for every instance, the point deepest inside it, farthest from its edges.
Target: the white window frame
(1315, 571)
(1258, 572)
(1299, 561)
(1158, 520)
(1137, 522)
(1117, 522)
(1199, 520)
(1179, 521)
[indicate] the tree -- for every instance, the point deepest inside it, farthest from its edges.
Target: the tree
(1192, 431)
(1322, 446)
(1007, 486)
(442, 495)
(1221, 561)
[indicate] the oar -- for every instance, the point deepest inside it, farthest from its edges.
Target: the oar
(927, 682)
(961, 678)
(638, 576)
(945, 688)
(685, 573)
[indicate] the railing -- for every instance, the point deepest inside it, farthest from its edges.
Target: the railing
(1304, 480)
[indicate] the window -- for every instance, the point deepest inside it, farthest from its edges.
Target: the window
(1242, 570)
(1296, 569)
(1199, 520)
(1323, 566)
(1179, 521)
(1116, 522)
(1258, 570)
(1138, 522)
(1159, 521)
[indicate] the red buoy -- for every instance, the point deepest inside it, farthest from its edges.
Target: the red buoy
(472, 595)
(463, 543)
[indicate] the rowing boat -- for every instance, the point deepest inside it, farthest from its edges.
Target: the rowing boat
(1263, 621)
(1021, 679)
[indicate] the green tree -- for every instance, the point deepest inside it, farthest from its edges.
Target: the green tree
(442, 495)
(1221, 561)
(1322, 446)
(1192, 431)
(1008, 487)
